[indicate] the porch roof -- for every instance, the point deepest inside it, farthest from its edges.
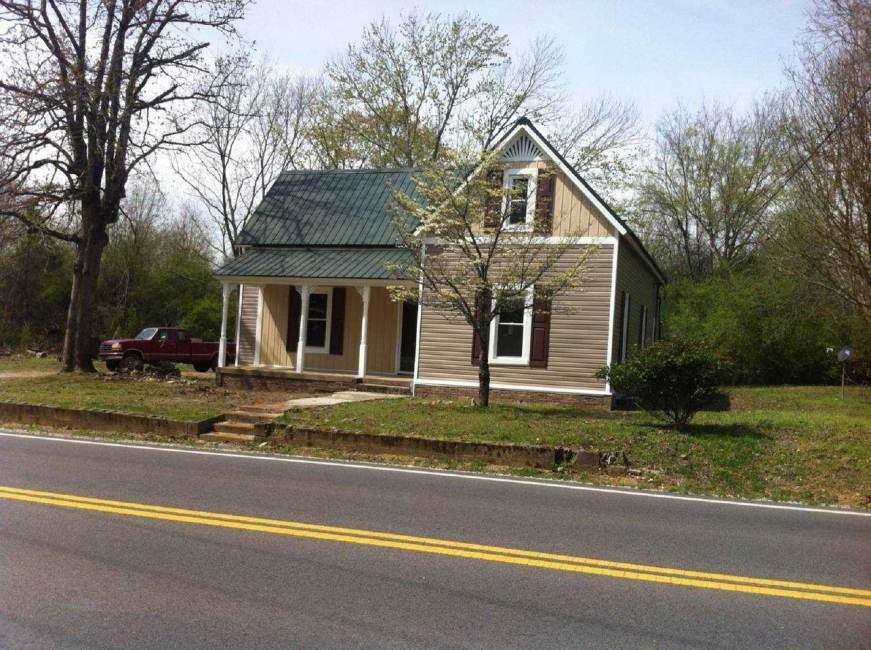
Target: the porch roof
(327, 263)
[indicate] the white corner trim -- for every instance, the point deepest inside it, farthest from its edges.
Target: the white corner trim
(612, 309)
(259, 329)
(238, 326)
(456, 383)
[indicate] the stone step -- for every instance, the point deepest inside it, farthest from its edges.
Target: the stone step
(253, 417)
(228, 437)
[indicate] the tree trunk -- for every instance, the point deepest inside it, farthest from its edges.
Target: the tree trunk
(78, 346)
(483, 335)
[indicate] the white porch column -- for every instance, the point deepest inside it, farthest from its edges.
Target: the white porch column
(364, 329)
(304, 293)
(222, 345)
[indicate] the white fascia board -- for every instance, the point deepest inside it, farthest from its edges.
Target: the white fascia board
(551, 239)
(612, 309)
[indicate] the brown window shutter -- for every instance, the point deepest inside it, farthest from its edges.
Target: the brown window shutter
(476, 346)
(544, 202)
(337, 327)
(493, 202)
(294, 307)
(540, 347)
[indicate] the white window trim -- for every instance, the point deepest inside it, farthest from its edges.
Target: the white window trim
(508, 176)
(325, 348)
(523, 359)
(643, 326)
(624, 326)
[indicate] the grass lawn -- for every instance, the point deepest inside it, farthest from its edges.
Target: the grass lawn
(785, 443)
(22, 363)
(193, 399)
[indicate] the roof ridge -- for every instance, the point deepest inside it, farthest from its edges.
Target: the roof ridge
(367, 170)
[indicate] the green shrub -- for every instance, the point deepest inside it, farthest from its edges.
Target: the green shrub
(672, 378)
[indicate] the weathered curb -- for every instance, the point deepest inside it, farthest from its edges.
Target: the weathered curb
(102, 420)
(539, 456)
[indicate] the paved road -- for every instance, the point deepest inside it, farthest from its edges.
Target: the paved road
(85, 573)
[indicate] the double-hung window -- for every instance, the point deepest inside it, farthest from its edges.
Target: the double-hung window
(510, 332)
(317, 333)
(519, 207)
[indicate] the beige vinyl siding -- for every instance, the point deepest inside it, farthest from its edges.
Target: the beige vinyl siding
(635, 278)
(578, 336)
(383, 322)
(573, 214)
(248, 325)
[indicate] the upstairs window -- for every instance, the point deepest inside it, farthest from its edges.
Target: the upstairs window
(517, 202)
(519, 207)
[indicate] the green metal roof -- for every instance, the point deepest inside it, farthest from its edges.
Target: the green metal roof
(348, 263)
(328, 208)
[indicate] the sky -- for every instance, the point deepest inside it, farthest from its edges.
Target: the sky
(654, 53)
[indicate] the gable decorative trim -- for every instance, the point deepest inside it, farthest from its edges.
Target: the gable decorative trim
(523, 149)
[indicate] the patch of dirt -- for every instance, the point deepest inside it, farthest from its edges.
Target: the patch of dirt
(26, 374)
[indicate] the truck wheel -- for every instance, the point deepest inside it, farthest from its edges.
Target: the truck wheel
(132, 361)
(112, 365)
(202, 366)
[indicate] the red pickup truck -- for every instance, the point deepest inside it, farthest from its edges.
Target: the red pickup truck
(155, 344)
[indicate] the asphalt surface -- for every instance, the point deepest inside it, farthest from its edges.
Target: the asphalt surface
(79, 578)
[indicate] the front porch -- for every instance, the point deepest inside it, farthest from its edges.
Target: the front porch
(339, 333)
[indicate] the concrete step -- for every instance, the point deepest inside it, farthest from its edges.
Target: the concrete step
(253, 417)
(228, 437)
(230, 426)
(261, 408)
(389, 389)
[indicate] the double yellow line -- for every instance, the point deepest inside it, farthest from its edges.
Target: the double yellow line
(556, 562)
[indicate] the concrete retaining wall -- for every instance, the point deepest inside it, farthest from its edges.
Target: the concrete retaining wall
(493, 453)
(102, 420)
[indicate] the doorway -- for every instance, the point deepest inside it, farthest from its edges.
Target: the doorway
(408, 337)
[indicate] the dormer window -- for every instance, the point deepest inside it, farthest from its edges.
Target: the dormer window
(520, 202)
(517, 201)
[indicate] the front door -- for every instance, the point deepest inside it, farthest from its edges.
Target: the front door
(408, 340)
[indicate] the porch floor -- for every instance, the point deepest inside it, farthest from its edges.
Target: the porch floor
(289, 374)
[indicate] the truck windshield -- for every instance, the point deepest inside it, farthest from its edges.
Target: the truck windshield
(147, 334)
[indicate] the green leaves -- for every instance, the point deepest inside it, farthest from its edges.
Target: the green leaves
(674, 379)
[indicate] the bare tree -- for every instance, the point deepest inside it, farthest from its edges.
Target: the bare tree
(600, 140)
(91, 91)
(472, 262)
(253, 130)
(829, 229)
(705, 199)
(527, 86)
